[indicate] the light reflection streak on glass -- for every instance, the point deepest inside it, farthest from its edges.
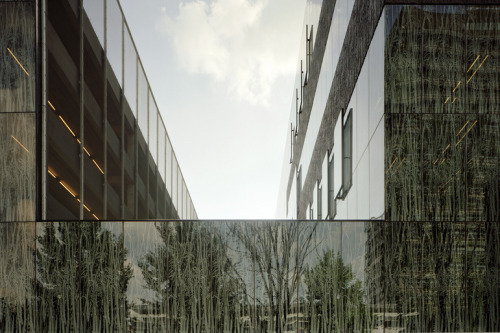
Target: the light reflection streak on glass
(98, 167)
(69, 129)
(473, 63)
(15, 58)
(52, 106)
(77, 140)
(477, 68)
(13, 137)
(404, 158)
(392, 164)
(87, 208)
(466, 133)
(70, 191)
(51, 173)
(441, 188)
(462, 128)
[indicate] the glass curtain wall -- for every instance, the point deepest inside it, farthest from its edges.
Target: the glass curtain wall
(442, 125)
(106, 155)
(17, 111)
(442, 164)
(248, 276)
(18, 153)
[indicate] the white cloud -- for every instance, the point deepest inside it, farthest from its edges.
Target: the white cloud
(243, 44)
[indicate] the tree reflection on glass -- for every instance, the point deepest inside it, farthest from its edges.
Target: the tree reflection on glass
(194, 280)
(278, 252)
(335, 296)
(81, 278)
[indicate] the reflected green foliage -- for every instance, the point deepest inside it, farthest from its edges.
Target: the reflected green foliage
(334, 296)
(194, 280)
(81, 279)
(278, 252)
(17, 271)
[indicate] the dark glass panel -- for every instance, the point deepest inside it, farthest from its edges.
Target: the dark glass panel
(17, 57)
(322, 282)
(483, 276)
(231, 274)
(403, 70)
(93, 158)
(444, 276)
(444, 146)
(103, 275)
(402, 275)
(403, 168)
(347, 152)
(81, 276)
(482, 146)
(482, 62)
(146, 246)
(17, 277)
(443, 33)
(189, 253)
(355, 315)
(114, 155)
(278, 261)
(63, 114)
(375, 275)
(17, 167)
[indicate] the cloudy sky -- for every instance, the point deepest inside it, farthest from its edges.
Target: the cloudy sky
(222, 72)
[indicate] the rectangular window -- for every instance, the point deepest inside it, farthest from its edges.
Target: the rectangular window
(309, 51)
(299, 188)
(319, 203)
(347, 154)
(298, 110)
(332, 204)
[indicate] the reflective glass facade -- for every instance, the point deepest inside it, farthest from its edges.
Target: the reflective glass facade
(81, 135)
(420, 85)
(17, 111)
(249, 276)
(394, 161)
(442, 111)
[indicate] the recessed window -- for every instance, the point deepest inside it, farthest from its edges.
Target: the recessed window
(299, 188)
(298, 110)
(319, 203)
(309, 51)
(332, 204)
(347, 154)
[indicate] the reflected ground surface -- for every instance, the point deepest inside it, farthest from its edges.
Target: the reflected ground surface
(249, 276)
